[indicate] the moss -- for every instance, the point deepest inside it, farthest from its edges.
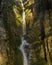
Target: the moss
(19, 58)
(13, 31)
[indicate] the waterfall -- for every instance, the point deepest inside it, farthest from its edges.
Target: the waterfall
(23, 18)
(24, 23)
(25, 61)
(24, 43)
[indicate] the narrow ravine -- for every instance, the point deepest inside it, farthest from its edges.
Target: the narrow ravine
(24, 42)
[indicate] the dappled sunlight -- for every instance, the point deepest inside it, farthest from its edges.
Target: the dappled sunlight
(3, 59)
(26, 32)
(15, 10)
(17, 15)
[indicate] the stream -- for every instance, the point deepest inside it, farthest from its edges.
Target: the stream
(24, 42)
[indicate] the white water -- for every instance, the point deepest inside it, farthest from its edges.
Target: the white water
(24, 43)
(23, 18)
(25, 61)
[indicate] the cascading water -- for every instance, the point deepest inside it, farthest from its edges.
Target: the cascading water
(23, 19)
(24, 43)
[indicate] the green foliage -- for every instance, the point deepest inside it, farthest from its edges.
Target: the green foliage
(19, 57)
(37, 31)
(13, 1)
(13, 27)
(12, 11)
